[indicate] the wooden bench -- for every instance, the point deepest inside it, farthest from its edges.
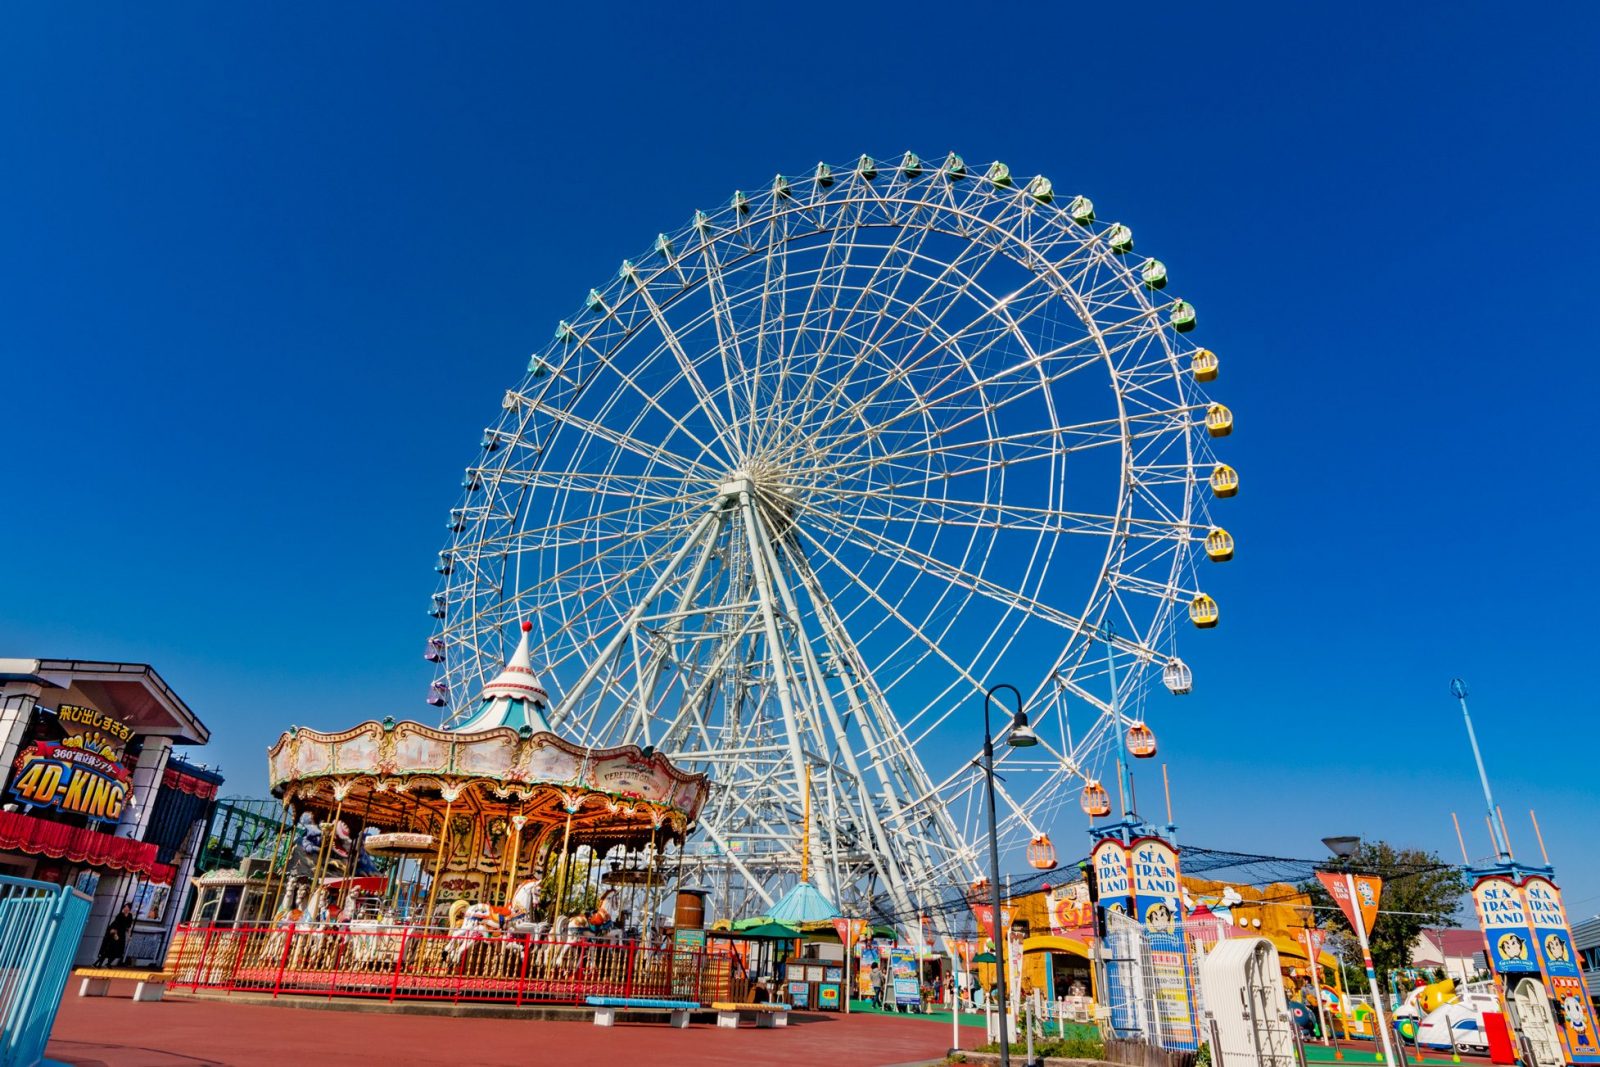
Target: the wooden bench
(606, 1008)
(97, 981)
(767, 1014)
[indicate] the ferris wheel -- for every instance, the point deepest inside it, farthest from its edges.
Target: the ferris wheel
(786, 496)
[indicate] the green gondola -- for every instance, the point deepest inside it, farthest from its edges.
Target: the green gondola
(910, 165)
(741, 203)
(954, 166)
(1154, 274)
(824, 174)
(702, 222)
(780, 186)
(999, 174)
(538, 367)
(867, 167)
(664, 245)
(1120, 238)
(595, 302)
(1182, 316)
(1081, 210)
(565, 333)
(1041, 189)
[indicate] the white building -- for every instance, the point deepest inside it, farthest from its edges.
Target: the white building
(1458, 953)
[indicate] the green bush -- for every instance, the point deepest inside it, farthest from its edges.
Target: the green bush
(1067, 1048)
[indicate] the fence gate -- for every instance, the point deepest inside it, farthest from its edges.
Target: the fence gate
(1147, 984)
(1532, 1005)
(40, 926)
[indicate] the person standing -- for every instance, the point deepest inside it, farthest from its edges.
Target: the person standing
(114, 943)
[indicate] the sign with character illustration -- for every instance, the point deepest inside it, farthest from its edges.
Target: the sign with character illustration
(1157, 894)
(1575, 1017)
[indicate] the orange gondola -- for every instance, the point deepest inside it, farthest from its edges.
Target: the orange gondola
(1041, 853)
(1095, 800)
(1141, 741)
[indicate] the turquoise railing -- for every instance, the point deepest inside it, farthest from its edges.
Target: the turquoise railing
(40, 926)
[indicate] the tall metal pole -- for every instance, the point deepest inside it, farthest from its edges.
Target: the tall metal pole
(1001, 951)
(1124, 778)
(1502, 847)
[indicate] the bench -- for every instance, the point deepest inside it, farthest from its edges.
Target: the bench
(767, 1014)
(605, 1008)
(97, 981)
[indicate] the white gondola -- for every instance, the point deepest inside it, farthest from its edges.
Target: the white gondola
(1177, 677)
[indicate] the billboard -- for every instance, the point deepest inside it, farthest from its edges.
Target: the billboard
(84, 773)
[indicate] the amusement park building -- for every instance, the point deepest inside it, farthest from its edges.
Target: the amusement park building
(94, 796)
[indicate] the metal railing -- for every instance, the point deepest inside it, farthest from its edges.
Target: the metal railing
(40, 926)
(409, 963)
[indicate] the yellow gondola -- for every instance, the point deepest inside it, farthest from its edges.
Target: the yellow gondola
(1203, 612)
(1219, 545)
(1224, 480)
(1219, 421)
(1204, 365)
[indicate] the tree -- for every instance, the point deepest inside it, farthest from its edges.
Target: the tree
(1419, 890)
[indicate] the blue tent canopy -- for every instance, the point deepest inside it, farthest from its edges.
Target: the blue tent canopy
(803, 904)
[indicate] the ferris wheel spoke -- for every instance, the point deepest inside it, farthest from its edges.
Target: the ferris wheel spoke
(895, 506)
(691, 375)
(654, 453)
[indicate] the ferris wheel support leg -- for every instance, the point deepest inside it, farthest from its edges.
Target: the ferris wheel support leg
(574, 694)
(658, 664)
(900, 884)
(780, 666)
(836, 724)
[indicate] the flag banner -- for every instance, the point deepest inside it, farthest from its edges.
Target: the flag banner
(1369, 888)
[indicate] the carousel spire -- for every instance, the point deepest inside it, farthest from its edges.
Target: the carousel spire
(515, 698)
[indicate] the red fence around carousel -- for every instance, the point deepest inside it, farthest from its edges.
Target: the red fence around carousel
(408, 964)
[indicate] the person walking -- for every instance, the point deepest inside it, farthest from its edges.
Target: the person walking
(114, 943)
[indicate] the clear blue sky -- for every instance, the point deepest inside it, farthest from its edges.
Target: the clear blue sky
(265, 278)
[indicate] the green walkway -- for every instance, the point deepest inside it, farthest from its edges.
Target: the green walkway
(1361, 1054)
(870, 1007)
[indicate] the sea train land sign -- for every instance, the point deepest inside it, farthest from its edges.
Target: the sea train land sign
(82, 774)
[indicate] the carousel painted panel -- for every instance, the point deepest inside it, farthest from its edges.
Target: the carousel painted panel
(487, 755)
(358, 749)
(629, 775)
(549, 762)
(688, 796)
(419, 750)
(310, 755)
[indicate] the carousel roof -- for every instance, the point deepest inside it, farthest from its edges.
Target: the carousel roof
(515, 698)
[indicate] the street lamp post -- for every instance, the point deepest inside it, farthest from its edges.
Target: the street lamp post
(1346, 848)
(1021, 736)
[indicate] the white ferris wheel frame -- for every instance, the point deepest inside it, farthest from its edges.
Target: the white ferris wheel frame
(717, 510)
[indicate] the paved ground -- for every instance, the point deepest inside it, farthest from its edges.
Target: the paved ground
(115, 1032)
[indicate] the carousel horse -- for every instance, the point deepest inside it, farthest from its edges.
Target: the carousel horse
(473, 925)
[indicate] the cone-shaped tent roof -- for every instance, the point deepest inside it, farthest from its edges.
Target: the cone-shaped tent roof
(515, 698)
(803, 904)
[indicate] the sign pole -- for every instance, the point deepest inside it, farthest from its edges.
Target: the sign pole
(1316, 983)
(1380, 1024)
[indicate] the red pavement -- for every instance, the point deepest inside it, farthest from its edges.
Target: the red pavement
(116, 1032)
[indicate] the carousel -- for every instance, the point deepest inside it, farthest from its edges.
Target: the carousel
(490, 861)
